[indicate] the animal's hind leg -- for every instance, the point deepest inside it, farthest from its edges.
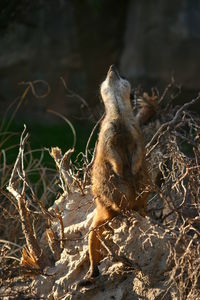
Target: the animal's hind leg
(94, 249)
(102, 215)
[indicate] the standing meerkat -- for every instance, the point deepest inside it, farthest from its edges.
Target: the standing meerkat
(119, 170)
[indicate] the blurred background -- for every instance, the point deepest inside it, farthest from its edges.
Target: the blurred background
(70, 45)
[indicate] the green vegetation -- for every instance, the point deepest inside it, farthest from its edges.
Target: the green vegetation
(47, 136)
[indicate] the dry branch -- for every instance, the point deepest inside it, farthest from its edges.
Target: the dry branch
(148, 106)
(32, 85)
(71, 93)
(171, 122)
(68, 122)
(63, 164)
(33, 253)
(53, 241)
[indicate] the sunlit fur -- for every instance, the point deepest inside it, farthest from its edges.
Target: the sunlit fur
(119, 171)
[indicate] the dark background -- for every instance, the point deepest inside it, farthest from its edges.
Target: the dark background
(149, 41)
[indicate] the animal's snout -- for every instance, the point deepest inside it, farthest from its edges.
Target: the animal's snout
(112, 68)
(113, 72)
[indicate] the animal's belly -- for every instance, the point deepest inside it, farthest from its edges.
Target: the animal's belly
(113, 189)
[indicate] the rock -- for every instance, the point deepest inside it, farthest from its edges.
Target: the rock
(162, 39)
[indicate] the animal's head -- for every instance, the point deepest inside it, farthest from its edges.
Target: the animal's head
(114, 86)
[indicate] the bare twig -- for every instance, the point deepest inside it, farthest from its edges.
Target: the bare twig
(171, 122)
(63, 164)
(62, 235)
(32, 85)
(70, 93)
(68, 122)
(90, 137)
(34, 250)
(53, 241)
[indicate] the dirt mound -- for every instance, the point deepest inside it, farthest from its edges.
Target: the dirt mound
(136, 249)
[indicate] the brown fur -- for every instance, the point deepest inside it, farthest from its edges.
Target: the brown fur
(119, 171)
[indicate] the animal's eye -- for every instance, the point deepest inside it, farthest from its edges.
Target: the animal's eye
(123, 77)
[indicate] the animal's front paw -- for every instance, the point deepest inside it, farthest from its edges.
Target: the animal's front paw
(89, 278)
